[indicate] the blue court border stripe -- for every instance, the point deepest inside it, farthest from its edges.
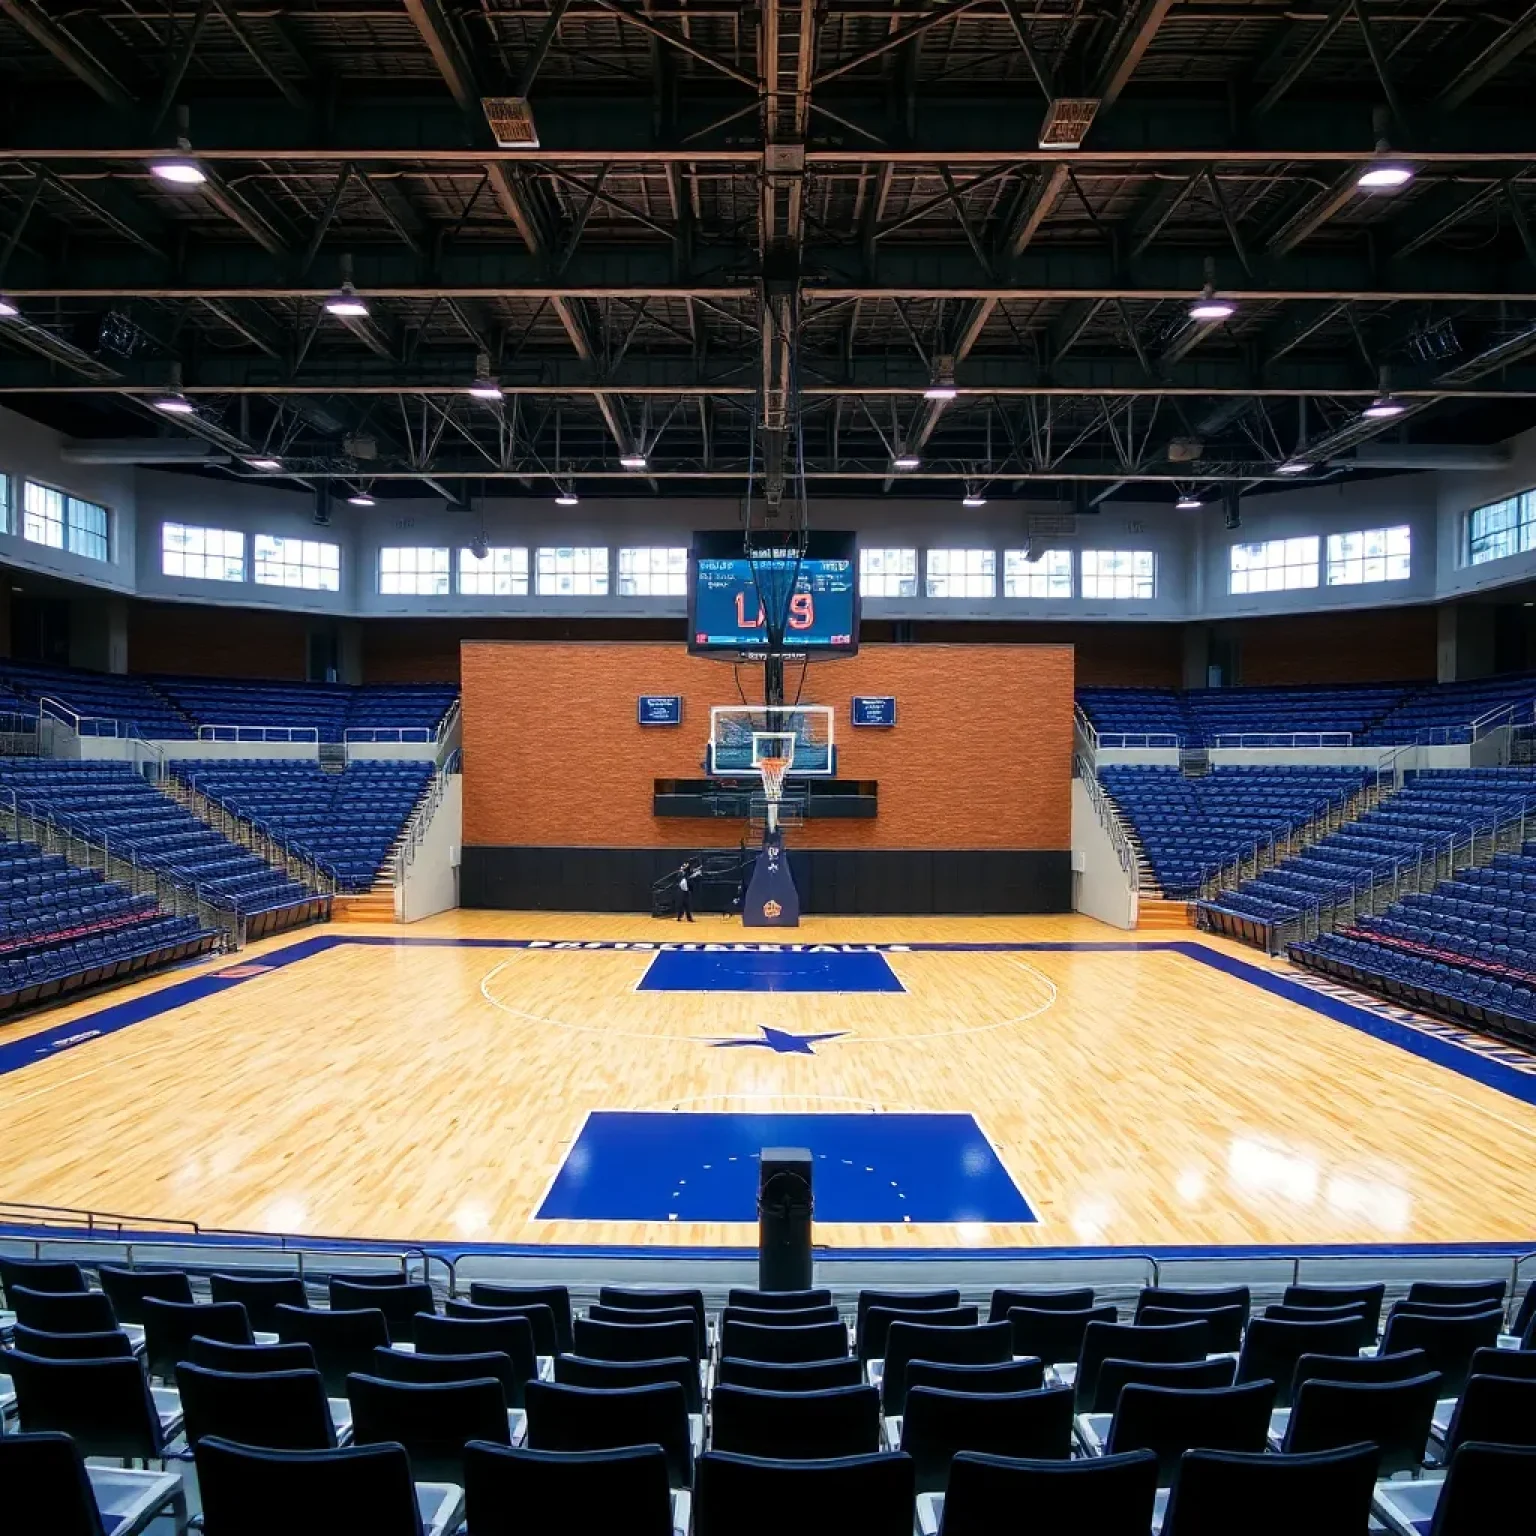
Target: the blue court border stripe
(42, 1044)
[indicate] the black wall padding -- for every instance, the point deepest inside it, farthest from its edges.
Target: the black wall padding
(853, 882)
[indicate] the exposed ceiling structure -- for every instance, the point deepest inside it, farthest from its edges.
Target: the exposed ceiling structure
(681, 243)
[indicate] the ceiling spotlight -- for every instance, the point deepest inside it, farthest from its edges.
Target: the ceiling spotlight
(636, 460)
(1209, 308)
(485, 389)
(181, 170)
(8, 308)
(566, 496)
(265, 463)
(360, 499)
(973, 499)
(1293, 467)
(1189, 503)
(905, 460)
(173, 403)
(1386, 177)
(1383, 408)
(347, 304)
(940, 390)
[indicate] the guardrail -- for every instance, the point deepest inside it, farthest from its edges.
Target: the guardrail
(1109, 818)
(174, 893)
(1139, 740)
(306, 735)
(418, 734)
(1283, 739)
(1379, 886)
(415, 829)
(1265, 852)
(252, 833)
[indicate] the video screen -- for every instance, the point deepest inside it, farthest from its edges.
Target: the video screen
(725, 608)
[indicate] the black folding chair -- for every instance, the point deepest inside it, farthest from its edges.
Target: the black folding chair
(1171, 1420)
(1394, 1416)
(127, 1288)
(556, 1297)
(753, 1496)
(1100, 1496)
(343, 1342)
(260, 1295)
(282, 1410)
(434, 1421)
(509, 1492)
(578, 1371)
(937, 1425)
(564, 1418)
(794, 1426)
(1219, 1492)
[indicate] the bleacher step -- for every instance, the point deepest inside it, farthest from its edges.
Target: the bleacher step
(368, 907)
(1160, 912)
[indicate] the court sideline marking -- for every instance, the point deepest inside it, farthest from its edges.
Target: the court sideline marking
(1435, 1049)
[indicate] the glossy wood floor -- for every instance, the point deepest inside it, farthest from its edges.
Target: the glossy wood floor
(432, 1092)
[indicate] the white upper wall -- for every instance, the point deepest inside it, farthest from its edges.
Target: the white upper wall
(1192, 548)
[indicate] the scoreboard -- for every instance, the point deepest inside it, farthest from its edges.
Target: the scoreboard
(725, 607)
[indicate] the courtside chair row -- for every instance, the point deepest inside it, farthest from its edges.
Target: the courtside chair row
(1194, 1412)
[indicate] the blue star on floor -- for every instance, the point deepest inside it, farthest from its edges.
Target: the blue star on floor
(782, 1042)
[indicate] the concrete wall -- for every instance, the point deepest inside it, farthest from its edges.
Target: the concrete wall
(1100, 887)
(431, 881)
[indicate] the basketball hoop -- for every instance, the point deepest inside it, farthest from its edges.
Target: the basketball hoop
(773, 752)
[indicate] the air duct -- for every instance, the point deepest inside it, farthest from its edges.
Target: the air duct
(1422, 456)
(143, 450)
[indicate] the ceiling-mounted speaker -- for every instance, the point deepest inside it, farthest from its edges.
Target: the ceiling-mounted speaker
(511, 121)
(1067, 121)
(1232, 505)
(479, 546)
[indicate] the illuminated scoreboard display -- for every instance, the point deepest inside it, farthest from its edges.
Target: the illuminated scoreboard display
(725, 608)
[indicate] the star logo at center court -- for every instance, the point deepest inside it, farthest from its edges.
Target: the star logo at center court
(781, 1042)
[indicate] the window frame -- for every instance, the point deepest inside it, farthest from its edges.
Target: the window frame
(673, 575)
(416, 570)
(203, 555)
(1518, 537)
(280, 562)
(1340, 561)
(977, 585)
(1026, 575)
(1241, 578)
(1132, 577)
(597, 581)
(875, 583)
(488, 582)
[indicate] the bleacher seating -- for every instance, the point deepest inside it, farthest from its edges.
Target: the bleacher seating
(1376, 714)
(172, 708)
(345, 822)
(62, 928)
(108, 803)
(1330, 1437)
(1434, 807)
(1191, 826)
(331, 709)
(1465, 951)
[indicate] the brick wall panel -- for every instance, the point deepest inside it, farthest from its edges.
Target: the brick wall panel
(980, 757)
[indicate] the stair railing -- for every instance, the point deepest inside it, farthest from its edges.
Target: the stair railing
(177, 894)
(414, 832)
(251, 833)
(1109, 818)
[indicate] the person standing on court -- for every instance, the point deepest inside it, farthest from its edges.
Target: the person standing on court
(684, 893)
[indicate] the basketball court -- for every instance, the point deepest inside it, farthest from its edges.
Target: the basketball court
(582, 1081)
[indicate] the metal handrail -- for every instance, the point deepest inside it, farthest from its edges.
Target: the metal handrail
(305, 735)
(251, 833)
(1283, 739)
(174, 892)
(414, 831)
(1109, 817)
(1365, 888)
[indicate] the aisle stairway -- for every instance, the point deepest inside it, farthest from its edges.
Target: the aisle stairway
(1160, 912)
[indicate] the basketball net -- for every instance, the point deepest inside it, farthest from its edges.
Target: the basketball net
(773, 770)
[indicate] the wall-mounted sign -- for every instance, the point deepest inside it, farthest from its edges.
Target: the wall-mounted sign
(874, 711)
(660, 709)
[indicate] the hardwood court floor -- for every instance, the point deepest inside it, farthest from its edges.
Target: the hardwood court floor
(432, 1090)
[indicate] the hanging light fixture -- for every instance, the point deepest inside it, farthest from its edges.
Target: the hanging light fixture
(180, 169)
(171, 400)
(1384, 408)
(483, 386)
(566, 496)
(1188, 502)
(266, 464)
(9, 309)
(904, 458)
(347, 304)
(1293, 467)
(1209, 308)
(360, 499)
(633, 460)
